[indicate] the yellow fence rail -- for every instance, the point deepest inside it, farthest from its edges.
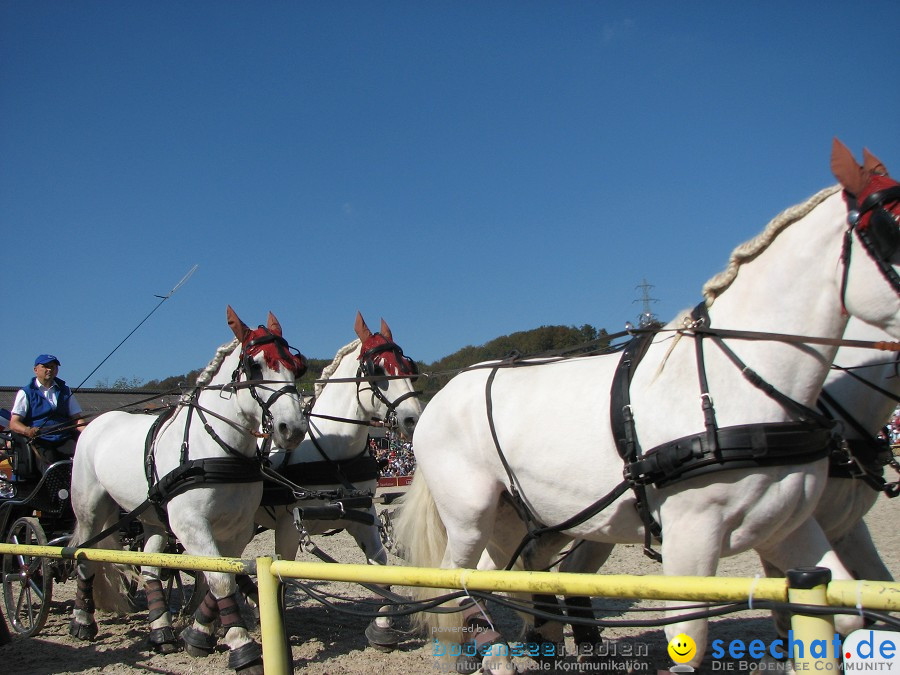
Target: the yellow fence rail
(871, 595)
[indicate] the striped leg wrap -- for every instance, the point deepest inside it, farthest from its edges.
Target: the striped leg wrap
(208, 610)
(84, 595)
(156, 599)
(475, 621)
(230, 613)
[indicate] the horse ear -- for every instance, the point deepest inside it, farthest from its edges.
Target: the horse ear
(845, 169)
(872, 164)
(362, 330)
(386, 331)
(273, 325)
(238, 327)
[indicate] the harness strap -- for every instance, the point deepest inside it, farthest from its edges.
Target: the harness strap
(149, 448)
(574, 521)
(195, 472)
(871, 385)
(860, 458)
(826, 399)
(535, 528)
(336, 468)
(803, 411)
(625, 435)
(359, 468)
(489, 403)
(709, 413)
(743, 446)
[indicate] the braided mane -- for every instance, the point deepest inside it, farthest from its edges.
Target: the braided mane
(328, 371)
(750, 249)
(210, 371)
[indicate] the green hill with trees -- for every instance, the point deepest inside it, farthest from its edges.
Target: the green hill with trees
(526, 343)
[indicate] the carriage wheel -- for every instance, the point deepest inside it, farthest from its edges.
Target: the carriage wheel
(27, 580)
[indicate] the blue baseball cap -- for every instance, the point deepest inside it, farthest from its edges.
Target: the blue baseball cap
(45, 359)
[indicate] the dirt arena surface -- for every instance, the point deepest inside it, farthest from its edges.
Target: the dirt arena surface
(328, 641)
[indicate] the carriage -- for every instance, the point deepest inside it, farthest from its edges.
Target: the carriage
(262, 361)
(36, 510)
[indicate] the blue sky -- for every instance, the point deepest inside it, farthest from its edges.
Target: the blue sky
(463, 169)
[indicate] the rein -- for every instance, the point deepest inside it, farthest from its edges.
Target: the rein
(866, 457)
(809, 439)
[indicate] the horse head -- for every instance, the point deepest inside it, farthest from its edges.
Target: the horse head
(267, 361)
(873, 202)
(390, 374)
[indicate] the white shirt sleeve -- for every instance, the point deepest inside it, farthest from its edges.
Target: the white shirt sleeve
(20, 406)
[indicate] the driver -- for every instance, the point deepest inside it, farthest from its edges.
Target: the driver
(47, 414)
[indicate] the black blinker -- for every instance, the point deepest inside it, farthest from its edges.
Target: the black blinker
(884, 233)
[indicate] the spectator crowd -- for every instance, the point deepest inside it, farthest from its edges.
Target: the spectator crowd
(394, 458)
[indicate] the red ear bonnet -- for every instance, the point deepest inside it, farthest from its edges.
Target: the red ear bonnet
(859, 181)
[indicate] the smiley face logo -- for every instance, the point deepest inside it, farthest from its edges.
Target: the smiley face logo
(682, 648)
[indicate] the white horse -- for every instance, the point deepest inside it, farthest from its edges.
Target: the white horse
(369, 382)
(860, 394)
(548, 433)
(203, 469)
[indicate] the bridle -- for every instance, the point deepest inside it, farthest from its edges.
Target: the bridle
(878, 231)
(287, 356)
(372, 368)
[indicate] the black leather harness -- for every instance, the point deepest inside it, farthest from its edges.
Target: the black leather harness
(861, 458)
(714, 449)
(362, 467)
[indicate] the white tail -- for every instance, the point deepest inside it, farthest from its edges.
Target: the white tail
(421, 535)
(111, 581)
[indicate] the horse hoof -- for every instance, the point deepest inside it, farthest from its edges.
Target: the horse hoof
(196, 652)
(255, 669)
(466, 664)
(246, 659)
(163, 641)
(383, 639)
(80, 631)
(197, 643)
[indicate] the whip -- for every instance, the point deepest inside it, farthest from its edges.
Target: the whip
(163, 298)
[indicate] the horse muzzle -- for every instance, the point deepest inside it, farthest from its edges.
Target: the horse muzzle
(288, 436)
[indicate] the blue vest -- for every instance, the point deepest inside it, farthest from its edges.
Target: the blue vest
(43, 415)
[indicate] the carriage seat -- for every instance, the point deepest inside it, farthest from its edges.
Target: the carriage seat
(24, 464)
(30, 459)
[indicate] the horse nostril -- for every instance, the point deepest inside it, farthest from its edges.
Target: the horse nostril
(285, 430)
(409, 423)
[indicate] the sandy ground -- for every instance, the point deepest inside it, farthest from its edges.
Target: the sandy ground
(330, 641)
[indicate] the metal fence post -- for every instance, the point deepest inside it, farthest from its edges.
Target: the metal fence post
(276, 655)
(807, 586)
